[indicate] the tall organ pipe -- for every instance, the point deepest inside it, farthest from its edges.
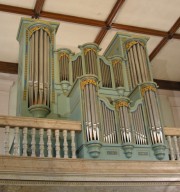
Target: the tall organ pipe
(39, 68)
(153, 114)
(138, 66)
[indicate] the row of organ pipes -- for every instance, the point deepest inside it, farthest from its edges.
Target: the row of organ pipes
(91, 62)
(39, 68)
(137, 60)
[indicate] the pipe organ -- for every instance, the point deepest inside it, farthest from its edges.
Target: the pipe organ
(113, 95)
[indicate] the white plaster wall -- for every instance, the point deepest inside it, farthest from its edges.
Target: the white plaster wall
(6, 83)
(170, 104)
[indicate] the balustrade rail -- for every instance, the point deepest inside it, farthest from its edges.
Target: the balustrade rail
(173, 142)
(35, 137)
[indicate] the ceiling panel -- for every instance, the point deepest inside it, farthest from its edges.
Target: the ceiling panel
(20, 3)
(152, 43)
(9, 48)
(92, 9)
(107, 39)
(71, 35)
(155, 14)
(166, 65)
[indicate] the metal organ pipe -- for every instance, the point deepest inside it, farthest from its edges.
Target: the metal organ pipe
(39, 68)
(108, 125)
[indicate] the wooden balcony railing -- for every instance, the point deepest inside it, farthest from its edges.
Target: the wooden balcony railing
(35, 137)
(173, 142)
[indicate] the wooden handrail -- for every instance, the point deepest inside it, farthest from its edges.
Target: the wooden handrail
(40, 123)
(171, 131)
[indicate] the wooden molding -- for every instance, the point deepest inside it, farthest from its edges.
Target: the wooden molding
(38, 7)
(7, 67)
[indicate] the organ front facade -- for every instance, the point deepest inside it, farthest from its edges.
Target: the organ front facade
(112, 95)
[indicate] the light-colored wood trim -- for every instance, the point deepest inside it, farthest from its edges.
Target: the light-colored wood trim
(45, 169)
(40, 123)
(172, 131)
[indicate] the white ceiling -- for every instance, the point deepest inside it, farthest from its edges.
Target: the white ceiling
(154, 14)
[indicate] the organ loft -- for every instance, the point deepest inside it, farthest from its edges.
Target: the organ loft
(113, 95)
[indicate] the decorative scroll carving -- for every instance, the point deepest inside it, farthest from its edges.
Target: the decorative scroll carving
(86, 50)
(148, 88)
(121, 104)
(131, 43)
(88, 81)
(36, 28)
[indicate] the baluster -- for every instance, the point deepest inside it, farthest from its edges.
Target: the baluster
(33, 143)
(6, 143)
(65, 144)
(16, 141)
(25, 141)
(171, 150)
(176, 147)
(41, 142)
(49, 144)
(57, 145)
(73, 145)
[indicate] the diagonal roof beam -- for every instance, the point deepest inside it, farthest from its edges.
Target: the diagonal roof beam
(38, 8)
(163, 42)
(84, 21)
(108, 21)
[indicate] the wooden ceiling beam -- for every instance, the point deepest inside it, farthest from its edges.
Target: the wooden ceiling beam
(113, 12)
(17, 10)
(139, 30)
(7, 67)
(162, 43)
(158, 48)
(108, 21)
(84, 21)
(73, 19)
(38, 8)
(101, 35)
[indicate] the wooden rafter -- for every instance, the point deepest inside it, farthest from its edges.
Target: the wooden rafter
(17, 10)
(72, 19)
(108, 21)
(38, 8)
(169, 36)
